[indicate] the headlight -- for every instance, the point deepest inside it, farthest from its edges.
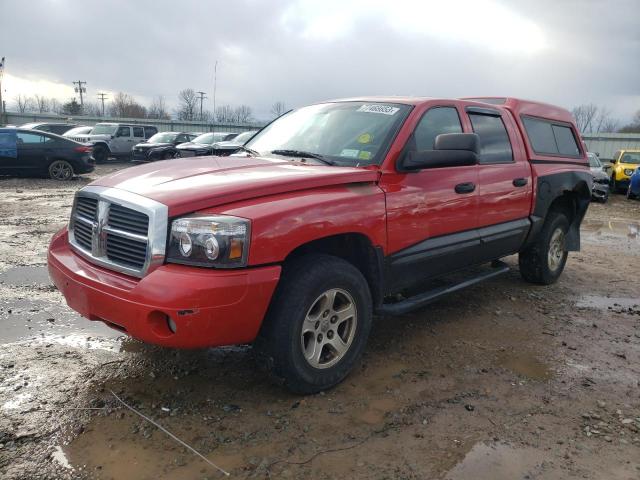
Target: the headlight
(628, 172)
(209, 241)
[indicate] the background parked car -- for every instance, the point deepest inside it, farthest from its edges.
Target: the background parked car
(624, 163)
(57, 128)
(600, 190)
(202, 145)
(82, 130)
(115, 139)
(633, 191)
(39, 153)
(161, 146)
(231, 146)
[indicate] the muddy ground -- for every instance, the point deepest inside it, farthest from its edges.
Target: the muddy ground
(505, 380)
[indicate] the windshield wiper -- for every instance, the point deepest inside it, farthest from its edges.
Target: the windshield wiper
(303, 154)
(248, 150)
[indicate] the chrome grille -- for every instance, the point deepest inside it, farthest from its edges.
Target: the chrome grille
(128, 220)
(118, 229)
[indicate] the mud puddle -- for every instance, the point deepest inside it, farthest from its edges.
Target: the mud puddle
(617, 304)
(525, 365)
(498, 462)
(623, 234)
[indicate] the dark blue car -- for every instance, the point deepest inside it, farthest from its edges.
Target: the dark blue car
(633, 191)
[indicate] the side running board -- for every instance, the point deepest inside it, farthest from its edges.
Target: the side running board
(425, 298)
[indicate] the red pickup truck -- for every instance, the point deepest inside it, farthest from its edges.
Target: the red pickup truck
(330, 214)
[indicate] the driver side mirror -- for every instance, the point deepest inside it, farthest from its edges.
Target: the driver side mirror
(450, 150)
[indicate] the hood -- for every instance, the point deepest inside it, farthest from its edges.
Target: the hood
(93, 138)
(194, 146)
(147, 146)
(599, 175)
(229, 144)
(191, 184)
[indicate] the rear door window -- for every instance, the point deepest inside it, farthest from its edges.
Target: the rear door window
(495, 146)
(138, 132)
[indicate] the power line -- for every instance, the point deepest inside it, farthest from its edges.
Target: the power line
(102, 97)
(2, 109)
(202, 97)
(80, 89)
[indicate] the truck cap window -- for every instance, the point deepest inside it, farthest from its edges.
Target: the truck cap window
(495, 146)
(345, 133)
(550, 138)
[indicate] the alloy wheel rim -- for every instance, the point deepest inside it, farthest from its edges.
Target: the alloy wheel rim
(556, 249)
(61, 171)
(329, 328)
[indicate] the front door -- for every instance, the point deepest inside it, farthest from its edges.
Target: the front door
(123, 141)
(432, 213)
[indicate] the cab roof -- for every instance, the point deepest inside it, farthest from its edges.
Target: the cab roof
(516, 105)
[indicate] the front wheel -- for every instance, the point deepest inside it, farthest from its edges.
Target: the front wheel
(544, 260)
(317, 325)
(60, 170)
(100, 154)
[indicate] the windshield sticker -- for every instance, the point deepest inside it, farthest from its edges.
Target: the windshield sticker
(365, 138)
(349, 152)
(364, 155)
(384, 109)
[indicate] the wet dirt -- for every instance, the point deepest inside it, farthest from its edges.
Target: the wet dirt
(503, 380)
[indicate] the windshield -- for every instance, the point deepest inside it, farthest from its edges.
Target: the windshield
(210, 138)
(348, 133)
(631, 157)
(593, 160)
(77, 131)
(163, 137)
(104, 130)
(243, 137)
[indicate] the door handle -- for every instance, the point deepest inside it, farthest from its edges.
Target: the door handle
(465, 187)
(519, 182)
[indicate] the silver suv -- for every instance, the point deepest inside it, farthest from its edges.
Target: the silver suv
(115, 139)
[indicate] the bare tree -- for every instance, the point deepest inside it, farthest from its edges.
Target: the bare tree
(158, 109)
(584, 116)
(55, 106)
(125, 106)
(24, 103)
(278, 108)
(634, 126)
(243, 114)
(590, 118)
(41, 103)
(187, 107)
(225, 114)
(93, 109)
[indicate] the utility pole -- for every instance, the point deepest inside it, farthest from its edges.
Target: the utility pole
(2, 109)
(80, 89)
(215, 81)
(202, 97)
(102, 97)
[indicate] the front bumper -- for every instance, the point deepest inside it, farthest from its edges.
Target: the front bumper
(600, 191)
(209, 307)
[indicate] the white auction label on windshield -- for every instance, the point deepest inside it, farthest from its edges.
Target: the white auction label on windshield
(376, 108)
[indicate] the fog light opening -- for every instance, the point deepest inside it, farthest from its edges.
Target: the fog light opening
(171, 324)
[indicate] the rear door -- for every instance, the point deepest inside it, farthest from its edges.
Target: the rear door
(138, 135)
(505, 183)
(432, 213)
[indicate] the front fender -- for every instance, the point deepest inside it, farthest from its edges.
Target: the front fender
(281, 223)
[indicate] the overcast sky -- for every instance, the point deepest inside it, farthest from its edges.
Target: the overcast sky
(299, 51)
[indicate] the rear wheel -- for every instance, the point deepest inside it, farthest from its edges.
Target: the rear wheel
(60, 170)
(318, 324)
(100, 153)
(544, 261)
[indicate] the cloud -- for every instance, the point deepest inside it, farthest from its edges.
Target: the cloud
(301, 51)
